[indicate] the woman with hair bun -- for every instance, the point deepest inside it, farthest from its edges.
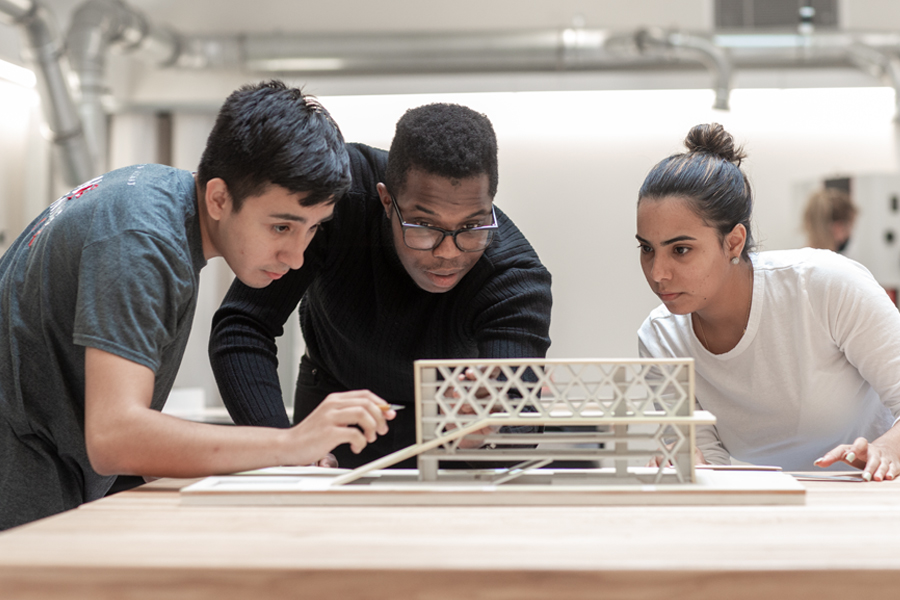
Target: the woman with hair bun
(797, 352)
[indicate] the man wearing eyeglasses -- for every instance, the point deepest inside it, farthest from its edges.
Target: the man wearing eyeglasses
(417, 263)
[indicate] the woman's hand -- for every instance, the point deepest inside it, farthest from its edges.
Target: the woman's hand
(878, 460)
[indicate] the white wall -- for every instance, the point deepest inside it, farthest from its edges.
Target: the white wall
(24, 160)
(189, 132)
(571, 165)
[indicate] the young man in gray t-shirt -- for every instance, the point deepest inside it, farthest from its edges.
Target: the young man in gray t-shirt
(98, 294)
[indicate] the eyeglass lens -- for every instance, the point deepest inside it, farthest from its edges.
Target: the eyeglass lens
(428, 239)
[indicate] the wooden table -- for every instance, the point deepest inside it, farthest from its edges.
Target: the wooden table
(843, 544)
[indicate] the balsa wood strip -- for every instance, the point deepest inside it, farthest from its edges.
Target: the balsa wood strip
(385, 488)
(400, 455)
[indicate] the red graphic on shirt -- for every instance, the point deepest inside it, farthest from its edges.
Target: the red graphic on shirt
(85, 188)
(58, 206)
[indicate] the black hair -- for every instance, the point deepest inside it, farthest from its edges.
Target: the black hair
(447, 140)
(710, 178)
(269, 134)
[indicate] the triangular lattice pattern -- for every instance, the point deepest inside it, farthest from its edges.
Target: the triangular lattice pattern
(456, 394)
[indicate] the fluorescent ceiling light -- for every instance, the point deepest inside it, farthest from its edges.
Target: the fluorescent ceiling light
(17, 74)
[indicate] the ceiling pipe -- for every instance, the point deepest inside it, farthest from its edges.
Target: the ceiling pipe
(880, 64)
(534, 51)
(545, 50)
(97, 27)
(691, 47)
(44, 52)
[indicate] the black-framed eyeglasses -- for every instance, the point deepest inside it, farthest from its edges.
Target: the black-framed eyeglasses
(429, 237)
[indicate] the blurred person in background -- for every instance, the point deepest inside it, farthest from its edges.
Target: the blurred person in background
(828, 219)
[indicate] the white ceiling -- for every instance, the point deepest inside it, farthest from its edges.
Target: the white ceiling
(205, 16)
(232, 16)
(256, 16)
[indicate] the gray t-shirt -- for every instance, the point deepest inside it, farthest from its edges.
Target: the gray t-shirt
(112, 265)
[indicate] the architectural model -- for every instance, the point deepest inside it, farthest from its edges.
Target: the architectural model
(494, 431)
(620, 412)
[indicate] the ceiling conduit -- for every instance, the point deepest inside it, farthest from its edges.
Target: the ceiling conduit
(99, 26)
(44, 52)
(880, 64)
(691, 47)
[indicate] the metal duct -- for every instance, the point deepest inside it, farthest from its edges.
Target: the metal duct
(44, 51)
(97, 26)
(880, 64)
(406, 53)
(691, 47)
(553, 50)
(12, 11)
(545, 50)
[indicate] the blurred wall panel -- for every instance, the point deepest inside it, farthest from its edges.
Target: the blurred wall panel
(133, 139)
(188, 137)
(571, 165)
(24, 161)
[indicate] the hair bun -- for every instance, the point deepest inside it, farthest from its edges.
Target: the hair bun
(711, 138)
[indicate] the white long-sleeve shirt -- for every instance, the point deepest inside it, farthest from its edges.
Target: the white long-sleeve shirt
(818, 366)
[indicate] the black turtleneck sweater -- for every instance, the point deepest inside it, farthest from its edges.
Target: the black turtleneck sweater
(364, 319)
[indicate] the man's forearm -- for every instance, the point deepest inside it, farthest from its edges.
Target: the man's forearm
(153, 444)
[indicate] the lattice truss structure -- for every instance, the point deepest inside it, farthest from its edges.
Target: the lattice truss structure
(529, 413)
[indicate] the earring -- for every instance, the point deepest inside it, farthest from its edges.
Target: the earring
(735, 260)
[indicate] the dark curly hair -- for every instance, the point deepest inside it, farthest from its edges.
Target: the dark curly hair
(448, 140)
(272, 134)
(709, 177)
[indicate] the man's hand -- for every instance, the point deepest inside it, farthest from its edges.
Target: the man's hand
(878, 460)
(329, 461)
(468, 442)
(657, 460)
(356, 418)
(466, 409)
(472, 375)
